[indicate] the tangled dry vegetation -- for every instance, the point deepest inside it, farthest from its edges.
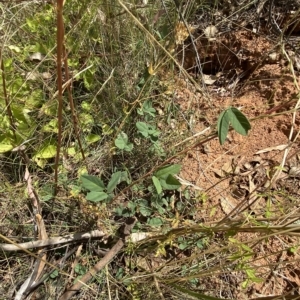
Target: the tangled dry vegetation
(113, 180)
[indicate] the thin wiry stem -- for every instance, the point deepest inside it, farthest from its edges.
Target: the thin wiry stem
(60, 38)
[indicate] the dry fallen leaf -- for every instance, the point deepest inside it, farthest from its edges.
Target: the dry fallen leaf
(181, 33)
(227, 205)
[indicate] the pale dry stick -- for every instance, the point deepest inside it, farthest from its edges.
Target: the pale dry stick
(42, 235)
(107, 282)
(68, 239)
(19, 246)
(192, 137)
(161, 47)
(158, 288)
(187, 183)
(33, 276)
(286, 151)
(58, 263)
(76, 260)
(101, 264)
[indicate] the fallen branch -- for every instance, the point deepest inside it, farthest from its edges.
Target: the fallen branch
(72, 238)
(101, 264)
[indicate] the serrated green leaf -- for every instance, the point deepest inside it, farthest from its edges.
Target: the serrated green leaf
(96, 196)
(116, 178)
(164, 172)
(238, 121)
(223, 127)
(92, 183)
(157, 184)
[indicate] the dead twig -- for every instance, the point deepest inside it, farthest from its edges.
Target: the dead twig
(58, 263)
(72, 238)
(101, 264)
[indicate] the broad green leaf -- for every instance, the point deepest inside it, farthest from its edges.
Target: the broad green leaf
(116, 178)
(238, 121)
(164, 172)
(122, 143)
(93, 138)
(92, 183)
(86, 120)
(143, 128)
(96, 196)
(48, 151)
(7, 63)
(223, 127)
(50, 108)
(40, 162)
(148, 109)
(145, 211)
(88, 78)
(80, 269)
(128, 147)
(155, 222)
(14, 48)
(86, 106)
(47, 197)
(71, 151)
(35, 99)
(170, 183)
(157, 184)
(19, 114)
(4, 122)
(106, 129)
(51, 126)
(5, 145)
(54, 274)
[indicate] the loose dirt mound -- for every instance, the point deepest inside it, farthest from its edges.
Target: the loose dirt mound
(254, 73)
